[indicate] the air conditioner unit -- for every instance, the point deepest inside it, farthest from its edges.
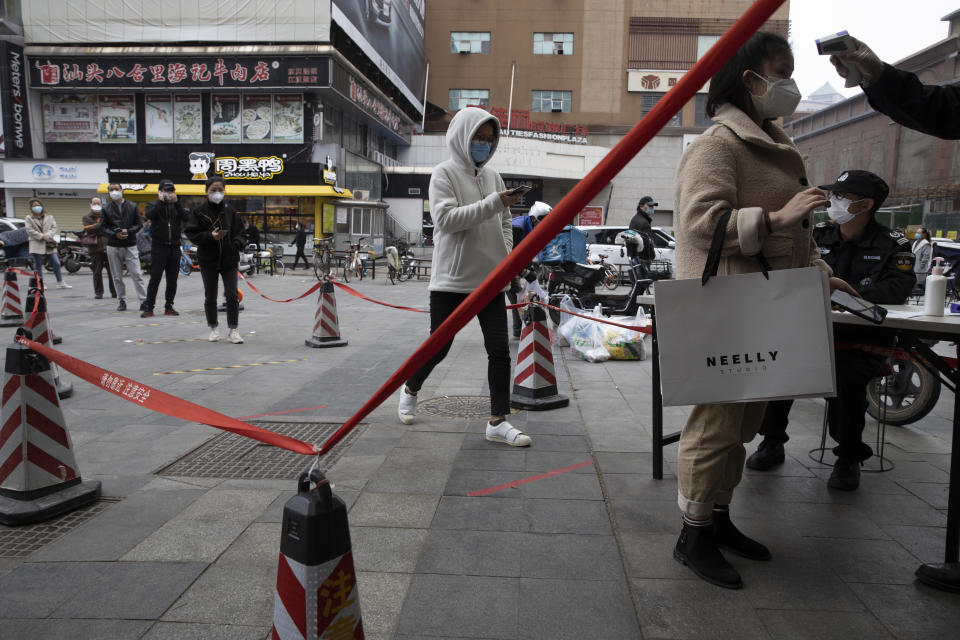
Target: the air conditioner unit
(558, 48)
(463, 46)
(361, 194)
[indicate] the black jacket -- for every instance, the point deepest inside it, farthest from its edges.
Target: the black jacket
(116, 218)
(166, 222)
(300, 239)
(641, 222)
(932, 109)
(878, 264)
(253, 234)
(225, 252)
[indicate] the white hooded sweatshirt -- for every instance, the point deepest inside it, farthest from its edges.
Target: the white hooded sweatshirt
(471, 227)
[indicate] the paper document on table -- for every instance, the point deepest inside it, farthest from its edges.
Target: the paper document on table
(904, 314)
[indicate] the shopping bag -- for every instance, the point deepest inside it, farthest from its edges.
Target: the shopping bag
(624, 344)
(587, 339)
(753, 336)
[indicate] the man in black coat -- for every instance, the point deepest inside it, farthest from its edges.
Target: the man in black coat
(167, 218)
(121, 223)
(643, 219)
(300, 240)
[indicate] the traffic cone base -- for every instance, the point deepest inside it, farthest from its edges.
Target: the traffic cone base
(326, 326)
(535, 382)
(12, 321)
(323, 343)
(19, 509)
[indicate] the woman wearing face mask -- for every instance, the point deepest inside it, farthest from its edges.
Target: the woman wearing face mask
(472, 235)
(92, 228)
(746, 165)
(217, 230)
(922, 249)
(43, 234)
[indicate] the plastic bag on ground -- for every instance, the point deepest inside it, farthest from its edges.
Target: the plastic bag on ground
(588, 338)
(564, 330)
(624, 344)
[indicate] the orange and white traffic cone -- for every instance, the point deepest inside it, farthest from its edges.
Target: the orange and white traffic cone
(317, 594)
(39, 478)
(39, 325)
(326, 327)
(11, 304)
(535, 380)
(36, 284)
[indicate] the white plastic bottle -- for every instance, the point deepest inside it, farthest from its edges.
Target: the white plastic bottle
(935, 294)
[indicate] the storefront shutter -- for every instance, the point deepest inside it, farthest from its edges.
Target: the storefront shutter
(68, 212)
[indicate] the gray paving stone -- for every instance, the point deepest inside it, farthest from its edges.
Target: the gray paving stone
(185, 540)
(226, 595)
(394, 510)
(905, 509)
(927, 544)
(911, 611)
(566, 486)
(574, 609)
(257, 547)
(827, 520)
(412, 471)
(933, 493)
(231, 505)
(875, 561)
(465, 481)
(538, 461)
(191, 631)
(501, 459)
(571, 557)
(381, 600)
(568, 516)
(823, 625)
(482, 514)
(633, 516)
(382, 549)
(474, 606)
(72, 628)
(650, 555)
(480, 553)
(794, 583)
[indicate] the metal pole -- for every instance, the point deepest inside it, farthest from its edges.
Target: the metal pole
(426, 83)
(513, 70)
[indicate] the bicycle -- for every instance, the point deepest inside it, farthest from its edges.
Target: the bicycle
(611, 275)
(322, 257)
(186, 264)
(269, 261)
(354, 264)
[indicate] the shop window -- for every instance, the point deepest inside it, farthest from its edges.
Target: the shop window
(553, 44)
(704, 43)
(648, 101)
(469, 42)
(552, 101)
(701, 119)
(361, 222)
(460, 98)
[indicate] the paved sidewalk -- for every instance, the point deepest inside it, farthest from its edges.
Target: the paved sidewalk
(583, 554)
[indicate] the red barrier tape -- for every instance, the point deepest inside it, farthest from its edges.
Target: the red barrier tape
(571, 204)
(156, 400)
(266, 297)
(357, 294)
(638, 329)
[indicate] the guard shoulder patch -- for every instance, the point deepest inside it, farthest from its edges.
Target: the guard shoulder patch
(902, 240)
(821, 225)
(904, 261)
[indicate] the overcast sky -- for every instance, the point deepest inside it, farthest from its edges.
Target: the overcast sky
(892, 28)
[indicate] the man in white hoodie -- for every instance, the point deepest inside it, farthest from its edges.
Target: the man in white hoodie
(472, 234)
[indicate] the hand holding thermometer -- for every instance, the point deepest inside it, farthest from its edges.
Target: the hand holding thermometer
(841, 42)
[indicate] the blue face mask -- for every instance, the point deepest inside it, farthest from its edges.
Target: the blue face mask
(480, 151)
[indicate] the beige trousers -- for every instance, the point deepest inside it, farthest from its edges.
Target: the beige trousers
(711, 454)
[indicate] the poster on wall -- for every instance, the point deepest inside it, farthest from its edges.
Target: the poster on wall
(187, 119)
(159, 118)
(329, 215)
(288, 118)
(118, 119)
(70, 118)
(225, 118)
(257, 117)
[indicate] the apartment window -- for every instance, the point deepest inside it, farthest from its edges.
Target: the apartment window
(547, 101)
(701, 119)
(650, 99)
(460, 98)
(553, 44)
(469, 42)
(704, 43)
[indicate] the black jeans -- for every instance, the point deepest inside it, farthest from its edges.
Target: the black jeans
(493, 324)
(210, 274)
(164, 260)
(296, 259)
(98, 261)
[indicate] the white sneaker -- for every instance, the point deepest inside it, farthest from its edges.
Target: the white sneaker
(507, 434)
(64, 285)
(214, 335)
(408, 407)
(234, 337)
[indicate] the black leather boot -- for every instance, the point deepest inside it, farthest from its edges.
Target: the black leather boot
(768, 455)
(846, 474)
(729, 537)
(697, 548)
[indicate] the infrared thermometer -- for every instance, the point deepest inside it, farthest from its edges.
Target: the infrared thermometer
(841, 43)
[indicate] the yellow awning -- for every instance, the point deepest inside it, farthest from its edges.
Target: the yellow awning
(238, 190)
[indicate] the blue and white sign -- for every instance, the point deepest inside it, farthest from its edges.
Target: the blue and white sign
(51, 172)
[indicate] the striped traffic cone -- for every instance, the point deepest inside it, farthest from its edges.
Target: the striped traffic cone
(37, 283)
(326, 328)
(535, 381)
(39, 478)
(316, 593)
(11, 304)
(38, 324)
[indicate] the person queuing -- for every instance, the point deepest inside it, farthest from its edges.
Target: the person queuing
(97, 247)
(472, 234)
(878, 263)
(300, 240)
(642, 220)
(216, 229)
(747, 165)
(167, 217)
(121, 223)
(922, 250)
(43, 234)
(252, 233)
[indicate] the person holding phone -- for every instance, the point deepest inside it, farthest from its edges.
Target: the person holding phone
(879, 264)
(472, 234)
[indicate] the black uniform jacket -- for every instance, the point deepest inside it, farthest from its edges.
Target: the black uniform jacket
(166, 221)
(878, 264)
(225, 252)
(932, 109)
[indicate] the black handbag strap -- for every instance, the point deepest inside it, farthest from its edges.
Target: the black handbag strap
(716, 248)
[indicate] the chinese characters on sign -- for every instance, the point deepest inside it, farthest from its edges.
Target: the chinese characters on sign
(366, 99)
(126, 388)
(522, 126)
(248, 168)
(70, 118)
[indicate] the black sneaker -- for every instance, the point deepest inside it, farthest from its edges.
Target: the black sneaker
(697, 548)
(122, 306)
(767, 456)
(846, 474)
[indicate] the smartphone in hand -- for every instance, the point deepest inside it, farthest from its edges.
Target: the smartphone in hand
(859, 307)
(524, 188)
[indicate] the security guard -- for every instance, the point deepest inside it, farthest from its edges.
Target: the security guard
(878, 263)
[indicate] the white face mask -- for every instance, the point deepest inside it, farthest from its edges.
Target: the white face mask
(216, 197)
(116, 195)
(839, 210)
(780, 100)
(95, 208)
(36, 209)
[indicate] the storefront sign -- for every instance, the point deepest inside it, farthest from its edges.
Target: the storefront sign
(363, 96)
(197, 166)
(656, 80)
(16, 114)
(55, 172)
(591, 216)
(522, 126)
(248, 168)
(93, 72)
